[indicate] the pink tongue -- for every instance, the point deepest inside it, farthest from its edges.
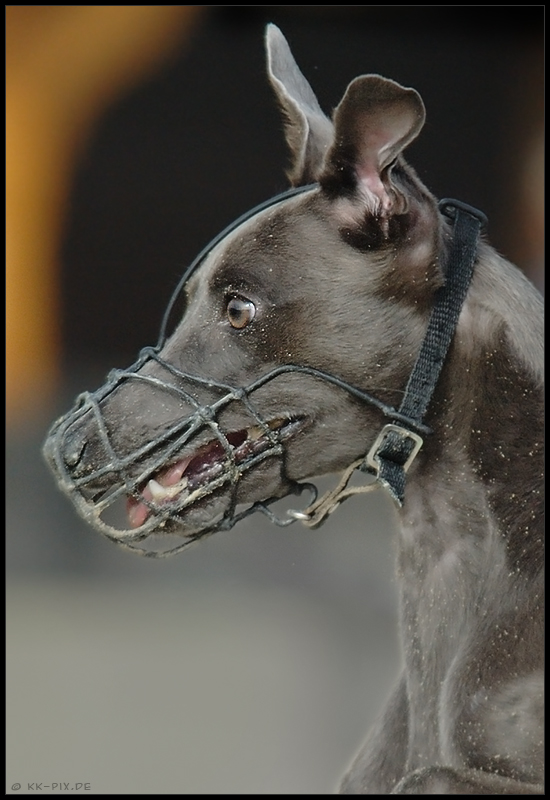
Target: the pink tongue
(138, 511)
(207, 455)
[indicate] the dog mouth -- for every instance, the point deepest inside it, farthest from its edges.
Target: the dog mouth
(185, 481)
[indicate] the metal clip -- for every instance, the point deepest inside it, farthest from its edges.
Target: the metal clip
(374, 462)
(315, 514)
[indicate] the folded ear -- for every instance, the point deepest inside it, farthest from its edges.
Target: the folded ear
(309, 132)
(376, 119)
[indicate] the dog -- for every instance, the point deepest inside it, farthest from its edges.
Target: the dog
(302, 331)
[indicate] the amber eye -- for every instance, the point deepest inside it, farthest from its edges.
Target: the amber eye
(240, 312)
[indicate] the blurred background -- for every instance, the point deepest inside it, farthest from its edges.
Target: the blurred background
(255, 662)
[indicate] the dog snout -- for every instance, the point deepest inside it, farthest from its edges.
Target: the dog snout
(74, 447)
(77, 446)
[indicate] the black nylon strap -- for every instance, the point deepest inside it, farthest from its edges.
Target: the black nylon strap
(395, 448)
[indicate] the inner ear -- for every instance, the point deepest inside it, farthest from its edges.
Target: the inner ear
(375, 121)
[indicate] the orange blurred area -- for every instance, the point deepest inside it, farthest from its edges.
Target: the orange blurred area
(65, 65)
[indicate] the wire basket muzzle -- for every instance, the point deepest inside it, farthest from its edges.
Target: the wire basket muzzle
(157, 451)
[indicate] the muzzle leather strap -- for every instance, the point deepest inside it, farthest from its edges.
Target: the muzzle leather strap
(397, 445)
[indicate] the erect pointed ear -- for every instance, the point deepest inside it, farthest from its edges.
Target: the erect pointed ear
(309, 132)
(376, 119)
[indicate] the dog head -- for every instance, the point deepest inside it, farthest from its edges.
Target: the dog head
(336, 280)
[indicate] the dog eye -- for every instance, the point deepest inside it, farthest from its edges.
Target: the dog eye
(240, 312)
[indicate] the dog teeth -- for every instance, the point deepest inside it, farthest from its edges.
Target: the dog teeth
(160, 493)
(275, 424)
(255, 433)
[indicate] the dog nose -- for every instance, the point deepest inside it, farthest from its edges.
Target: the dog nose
(73, 449)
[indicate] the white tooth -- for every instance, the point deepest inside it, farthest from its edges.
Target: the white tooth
(255, 433)
(158, 492)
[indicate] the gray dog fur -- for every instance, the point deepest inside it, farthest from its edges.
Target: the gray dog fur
(342, 279)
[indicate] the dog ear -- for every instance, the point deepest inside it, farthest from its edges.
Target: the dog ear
(375, 121)
(309, 132)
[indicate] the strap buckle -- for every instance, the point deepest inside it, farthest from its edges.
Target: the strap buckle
(372, 459)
